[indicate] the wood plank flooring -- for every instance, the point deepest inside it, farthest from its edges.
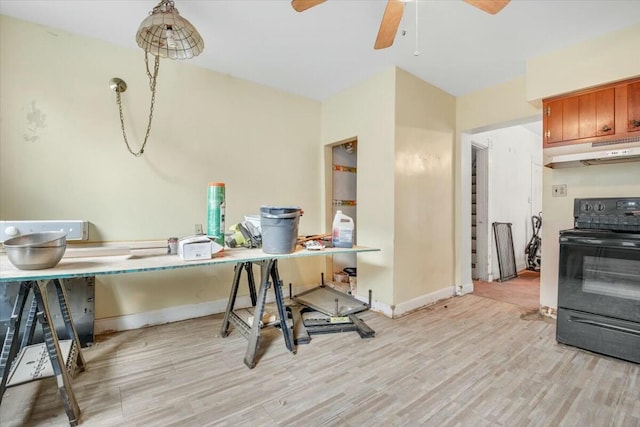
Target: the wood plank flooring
(523, 290)
(466, 361)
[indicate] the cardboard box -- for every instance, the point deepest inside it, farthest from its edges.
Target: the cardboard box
(195, 248)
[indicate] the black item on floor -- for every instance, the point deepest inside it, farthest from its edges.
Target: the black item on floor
(304, 327)
(333, 312)
(506, 255)
(532, 251)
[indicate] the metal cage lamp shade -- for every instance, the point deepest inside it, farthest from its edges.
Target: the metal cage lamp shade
(164, 34)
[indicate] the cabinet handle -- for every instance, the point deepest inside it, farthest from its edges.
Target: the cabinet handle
(606, 128)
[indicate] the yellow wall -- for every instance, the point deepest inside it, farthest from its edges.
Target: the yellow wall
(405, 130)
(591, 63)
(62, 155)
(497, 105)
(424, 205)
(367, 112)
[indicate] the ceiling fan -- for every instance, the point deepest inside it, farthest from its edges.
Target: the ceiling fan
(393, 14)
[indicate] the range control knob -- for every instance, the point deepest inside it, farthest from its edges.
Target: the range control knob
(586, 207)
(599, 207)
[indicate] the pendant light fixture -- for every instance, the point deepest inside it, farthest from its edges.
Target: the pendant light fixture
(163, 34)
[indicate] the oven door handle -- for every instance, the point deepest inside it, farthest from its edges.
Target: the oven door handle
(599, 242)
(604, 325)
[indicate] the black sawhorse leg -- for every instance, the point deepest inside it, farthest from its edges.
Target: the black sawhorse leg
(268, 270)
(229, 315)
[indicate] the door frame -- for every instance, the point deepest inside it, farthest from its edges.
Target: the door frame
(483, 253)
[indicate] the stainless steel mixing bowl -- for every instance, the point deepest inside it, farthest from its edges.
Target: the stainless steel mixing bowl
(36, 251)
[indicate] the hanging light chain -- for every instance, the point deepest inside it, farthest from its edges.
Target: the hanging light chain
(152, 85)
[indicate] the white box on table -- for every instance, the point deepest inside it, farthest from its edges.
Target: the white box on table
(197, 247)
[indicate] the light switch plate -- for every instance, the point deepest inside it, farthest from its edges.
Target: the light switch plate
(75, 229)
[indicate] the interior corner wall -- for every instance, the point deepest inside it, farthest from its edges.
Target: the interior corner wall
(367, 112)
(62, 155)
(424, 205)
(605, 59)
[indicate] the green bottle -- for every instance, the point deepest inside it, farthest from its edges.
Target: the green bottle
(215, 212)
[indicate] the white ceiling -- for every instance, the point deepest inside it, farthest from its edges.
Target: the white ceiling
(326, 49)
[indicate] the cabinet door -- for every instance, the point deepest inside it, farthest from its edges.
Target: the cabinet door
(596, 113)
(587, 114)
(552, 121)
(571, 118)
(605, 112)
(633, 107)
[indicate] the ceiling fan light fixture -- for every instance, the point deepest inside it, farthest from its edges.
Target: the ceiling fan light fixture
(166, 34)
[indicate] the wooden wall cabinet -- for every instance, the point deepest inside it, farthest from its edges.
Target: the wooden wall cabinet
(633, 107)
(604, 113)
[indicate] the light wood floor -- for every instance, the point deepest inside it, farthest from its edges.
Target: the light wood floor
(467, 361)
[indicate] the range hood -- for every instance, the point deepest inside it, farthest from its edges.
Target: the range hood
(607, 157)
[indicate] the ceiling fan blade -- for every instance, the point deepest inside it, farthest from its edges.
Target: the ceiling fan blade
(302, 5)
(389, 24)
(489, 6)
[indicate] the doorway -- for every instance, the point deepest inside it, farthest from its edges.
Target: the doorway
(505, 185)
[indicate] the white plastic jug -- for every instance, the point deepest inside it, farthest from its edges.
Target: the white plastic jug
(342, 234)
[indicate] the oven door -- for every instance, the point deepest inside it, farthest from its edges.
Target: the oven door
(599, 273)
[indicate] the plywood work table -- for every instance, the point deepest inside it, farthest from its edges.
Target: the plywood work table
(138, 261)
(141, 260)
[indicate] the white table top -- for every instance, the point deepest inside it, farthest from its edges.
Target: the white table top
(141, 260)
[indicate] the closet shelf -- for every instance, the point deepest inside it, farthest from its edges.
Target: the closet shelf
(344, 203)
(342, 168)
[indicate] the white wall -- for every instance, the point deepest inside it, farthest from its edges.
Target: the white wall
(515, 158)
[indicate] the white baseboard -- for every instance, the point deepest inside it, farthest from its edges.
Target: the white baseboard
(165, 315)
(423, 301)
(464, 289)
(192, 311)
(176, 314)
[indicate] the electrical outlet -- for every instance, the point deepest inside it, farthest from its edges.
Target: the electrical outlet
(559, 190)
(76, 230)
(198, 230)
